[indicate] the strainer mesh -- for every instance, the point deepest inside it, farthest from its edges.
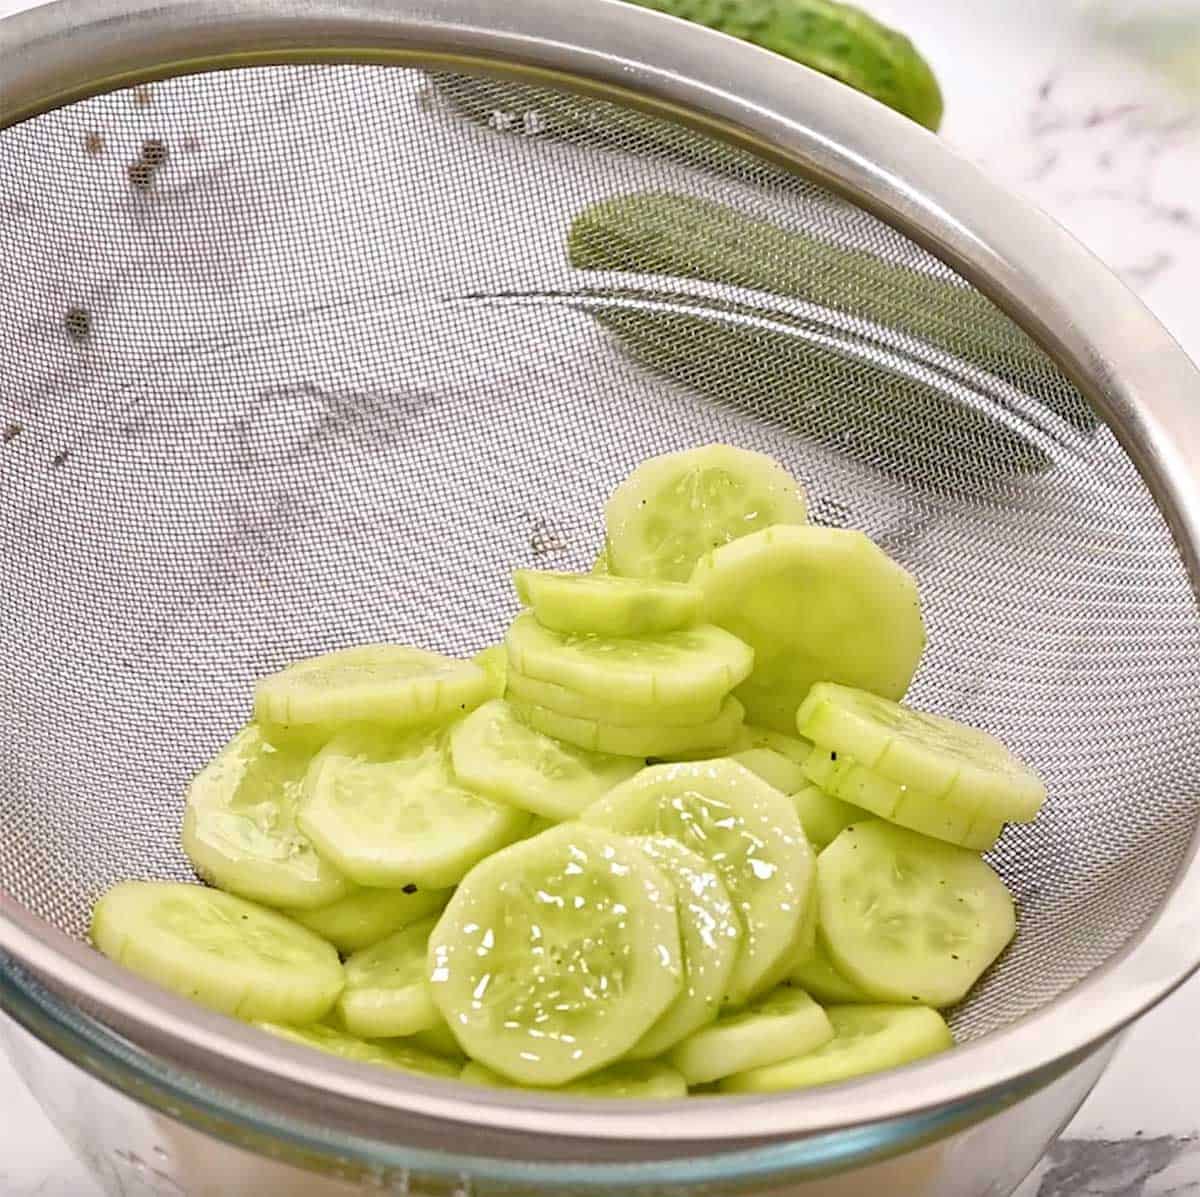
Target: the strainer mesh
(294, 357)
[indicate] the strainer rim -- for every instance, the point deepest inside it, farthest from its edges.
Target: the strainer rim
(1097, 331)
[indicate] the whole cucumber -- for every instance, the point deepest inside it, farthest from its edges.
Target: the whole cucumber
(838, 40)
(682, 236)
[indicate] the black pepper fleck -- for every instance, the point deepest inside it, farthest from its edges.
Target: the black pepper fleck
(408, 889)
(60, 459)
(78, 323)
(141, 175)
(154, 151)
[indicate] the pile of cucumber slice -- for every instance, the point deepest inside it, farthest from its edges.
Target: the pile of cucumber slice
(676, 834)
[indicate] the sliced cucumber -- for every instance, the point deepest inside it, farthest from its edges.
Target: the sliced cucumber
(785, 1023)
(928, 753)
(494, 662)
(219, 950)
(866, 1039)
(391, 1055)
(818, 978)
(387, 987)
(710, 933)
(439, 1040)
(649, 1079)
(556, 955)
(907, 918)
(815, 604)
(673, 509)
(564, 701)
(388, 811)
(943, 818)
(365, 916)
(750, 833)
(390, 684)
(824, 817)
(696, 664)
(607, 605)
(640, 742)
(982, 836)
(841, 776)
(773, 767)
(796, 750)
(806, 938)
(240, 832)
(497, 754)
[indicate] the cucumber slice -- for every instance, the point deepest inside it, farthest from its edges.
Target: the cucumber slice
(439, 1040)
(557, 955)
(607, 710)
(784, 1024)
(816, 605)
(240, 832)
(941, 818)
(365, 916)
(710, 933)
(607, 605)
(818, 978)
(390, 1055)
(388, 811)
(690, 665)
(982, 836)
(866, 1039)
(838, 774)
(494, 662)
(640, 742)
(649, 1080)
(387, 988)
(497, 754)
(390, 684)
(773, 767)
(806, 938)
(673, 509)
(824, 817)
(219, 950)
(907, 918)
(928, 753)
(750, 833)
(796, 750)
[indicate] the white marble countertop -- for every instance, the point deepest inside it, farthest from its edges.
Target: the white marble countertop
(1091, 108)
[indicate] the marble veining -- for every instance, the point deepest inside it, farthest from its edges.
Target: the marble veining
(1165, 1166)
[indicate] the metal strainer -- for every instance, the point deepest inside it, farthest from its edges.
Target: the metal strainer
(293, 354)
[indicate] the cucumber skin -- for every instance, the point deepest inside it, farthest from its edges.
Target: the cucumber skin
(838, 40)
